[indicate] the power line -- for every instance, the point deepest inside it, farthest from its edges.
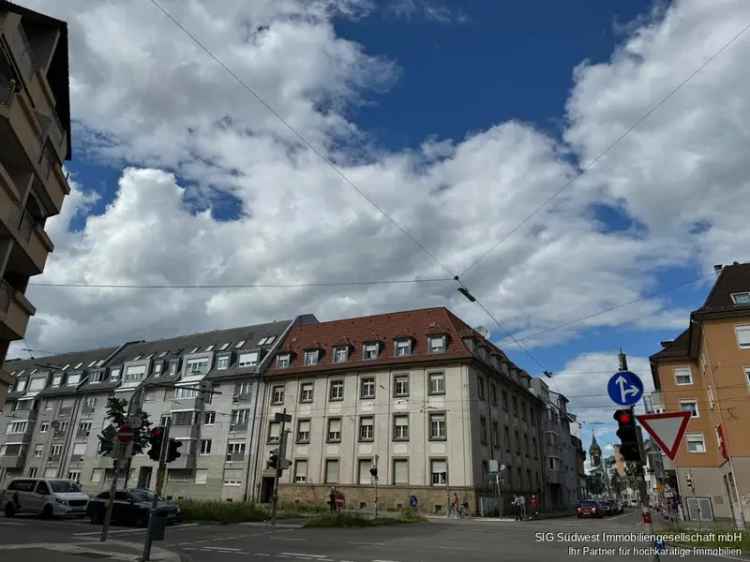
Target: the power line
(299, 135)
(239, 285)
(589, 165)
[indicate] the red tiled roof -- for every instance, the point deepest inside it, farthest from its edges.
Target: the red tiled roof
(416, 324)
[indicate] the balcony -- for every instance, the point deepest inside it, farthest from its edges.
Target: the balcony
(238, 427)
(34, 240)
(235, 457)
(59, 434)
(13, 461)
(15, 311)
(65, 411)
(87, 410)
(20, 437)
(186, 460)
(242, 397)
(54, 459)
(183, 431)
(76, 460)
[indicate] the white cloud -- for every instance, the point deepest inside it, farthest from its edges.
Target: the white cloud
(425, 9)
(164, 107)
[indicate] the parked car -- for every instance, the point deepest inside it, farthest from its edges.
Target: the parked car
(606, 507)
(45, 497)
(588, 508)
(619, 506)
(131, 507)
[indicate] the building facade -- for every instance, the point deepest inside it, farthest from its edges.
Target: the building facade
(706, 371)
(35, 140)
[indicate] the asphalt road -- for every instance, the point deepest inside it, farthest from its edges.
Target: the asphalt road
(437, 541)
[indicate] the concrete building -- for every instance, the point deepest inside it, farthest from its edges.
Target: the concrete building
(35, 140)
(706, 371)
(57, 408)
(419, 394)
(560, 491)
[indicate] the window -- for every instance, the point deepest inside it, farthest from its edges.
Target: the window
(195, 367)
(518, 441)
(340, 354)
(336, 391)
(401, 385)
(553, 463)
(483, 429)
(364, 476)
(277, 394)
(300, 471)
(370, 351)
(239, 344)
(205, 447)
(334, 430)
(534, 447)
(332, 471)
(480, 388)
(79, 449)
(84, 428)
(242, 390)
(311, 357)
(683, 376)
(17, 427)
(274, 432)
(505, 400)
(35, 384)
(157, 368)
(21, 385)
(97, 474)
(495, 434)
(306, 392)
(282, 361)
(222, 362)
(367, 428)
(741, 298)
(695, 443)
(56, 380)
(439, 472)
(162, 354)
(507, 439)
(436, 344)
(303, 431)
(33, 471)
(55, 450)
(248, 359)
(493, 391)
(44, 427)
(437, 383)
(201, 475)
(743, 336)
(74, 475)
(78, 365)
(223, 346)
(183, 393)
(690, 406)
(209, 418)
(235, 450)
(114, 374)
(438, 429)
(401, 427)
(403, 348)
(270, 340)
(367, 388)
(210, 348)
(400, 471)
(38, 451)
(747, 375)
(239, 419)
(182, 418)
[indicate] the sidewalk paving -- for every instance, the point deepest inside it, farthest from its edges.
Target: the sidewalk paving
(89, 550)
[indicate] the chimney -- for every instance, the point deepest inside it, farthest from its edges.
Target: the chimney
(717, 268)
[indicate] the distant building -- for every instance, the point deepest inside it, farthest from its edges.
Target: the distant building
(34, 141)
(706, 371)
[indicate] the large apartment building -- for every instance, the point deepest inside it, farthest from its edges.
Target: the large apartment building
(706, 371)
(34, 141)
(419, 394)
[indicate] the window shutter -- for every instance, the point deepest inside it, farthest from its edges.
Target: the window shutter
(332, 471)
(401, 472)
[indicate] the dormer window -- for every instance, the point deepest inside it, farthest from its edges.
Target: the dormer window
(248, 359)
(741, 298)
(157, 369)
(74, 379)
(114, 374)
(341, 354)
(222, 363)
(370, 351)
(56, 380)
(21, 386)
(37, 384)
(311, 357)
(403, 347)
(436, 344)
(283, 360)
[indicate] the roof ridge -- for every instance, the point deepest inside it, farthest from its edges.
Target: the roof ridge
(380, 315)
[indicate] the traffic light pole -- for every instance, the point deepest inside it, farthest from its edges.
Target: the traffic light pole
(158, 488)
(281, 459)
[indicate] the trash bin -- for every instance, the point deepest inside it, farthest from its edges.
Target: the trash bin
(156, 524)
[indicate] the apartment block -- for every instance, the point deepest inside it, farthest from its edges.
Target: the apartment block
(35, 140)
(706, 371)
(420, 395)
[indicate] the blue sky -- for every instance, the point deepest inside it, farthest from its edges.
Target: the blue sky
(458, 118)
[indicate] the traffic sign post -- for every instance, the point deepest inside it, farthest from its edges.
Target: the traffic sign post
(667, 430)
(625, 388)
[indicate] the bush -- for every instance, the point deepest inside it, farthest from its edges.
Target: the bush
(358, 520)
(222, 512)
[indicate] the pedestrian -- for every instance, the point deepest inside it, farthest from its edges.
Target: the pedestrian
(332, 499)
(455, 506)
(466, 507)
(534, 506)
(522, 503)
(516, 507)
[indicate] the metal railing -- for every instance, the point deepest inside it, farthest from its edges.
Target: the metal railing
(234, 457)
(238, 427)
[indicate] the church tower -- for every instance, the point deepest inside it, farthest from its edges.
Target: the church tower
(595, 452)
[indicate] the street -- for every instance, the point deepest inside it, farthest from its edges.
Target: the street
(34, 540)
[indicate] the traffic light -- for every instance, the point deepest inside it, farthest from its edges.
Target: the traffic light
(173, 452)
(107, 440)
(628, 434)
(155, 439)
(273, 460)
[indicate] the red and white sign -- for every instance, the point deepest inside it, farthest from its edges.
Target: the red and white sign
(667, 429)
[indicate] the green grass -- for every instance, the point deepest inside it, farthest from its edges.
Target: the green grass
(222, 512)
(357, 520)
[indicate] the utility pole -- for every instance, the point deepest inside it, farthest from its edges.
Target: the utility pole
(374, 473)
(283, 417)
(159, 484)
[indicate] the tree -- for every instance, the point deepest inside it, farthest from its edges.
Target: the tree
(117, 412)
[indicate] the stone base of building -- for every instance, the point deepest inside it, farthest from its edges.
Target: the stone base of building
(390, 498)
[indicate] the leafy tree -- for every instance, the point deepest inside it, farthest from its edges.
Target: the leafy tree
(117, 412)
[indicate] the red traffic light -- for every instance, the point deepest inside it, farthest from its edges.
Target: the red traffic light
(156, 432)
(623, 417)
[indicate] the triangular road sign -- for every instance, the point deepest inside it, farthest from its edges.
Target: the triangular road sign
(666, 429)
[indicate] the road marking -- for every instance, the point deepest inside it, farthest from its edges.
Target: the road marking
(385, 561)
(305, 555)
(118, 531)
(369, 543)
(285, 539)
(11, 523)
(222, 548)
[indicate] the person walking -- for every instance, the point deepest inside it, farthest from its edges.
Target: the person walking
(516, 507)
(455, 507)
(534, 506)
(522, 503)
(332, 499)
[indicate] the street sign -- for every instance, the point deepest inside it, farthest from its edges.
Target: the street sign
(493, 466)
(279, 417)
(667, 429)
(625, 388)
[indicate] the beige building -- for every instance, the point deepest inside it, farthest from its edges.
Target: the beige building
(706, 371)
(35, 140)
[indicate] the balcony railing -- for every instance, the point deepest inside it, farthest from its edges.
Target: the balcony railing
(235, 457)
(242, 397)
(65, 411)
(238, 427)
(54, 458)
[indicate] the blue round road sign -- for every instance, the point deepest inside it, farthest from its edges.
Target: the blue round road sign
(625, 388)
(413, 501)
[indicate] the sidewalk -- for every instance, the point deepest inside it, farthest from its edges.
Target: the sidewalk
(88, 550)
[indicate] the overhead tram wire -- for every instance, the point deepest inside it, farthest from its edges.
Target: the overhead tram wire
(300, 136)
(589, 165)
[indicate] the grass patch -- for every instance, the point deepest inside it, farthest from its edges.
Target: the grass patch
(221, 512)
(358, 520)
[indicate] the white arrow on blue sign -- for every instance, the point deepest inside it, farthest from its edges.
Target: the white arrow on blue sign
(625, 388)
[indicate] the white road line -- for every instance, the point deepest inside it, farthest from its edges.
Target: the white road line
(385, 560)
(118, 532)
(304, 554)
(369, 543)
(222, 548)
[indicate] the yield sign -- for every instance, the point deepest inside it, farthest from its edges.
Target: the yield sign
(666, 429)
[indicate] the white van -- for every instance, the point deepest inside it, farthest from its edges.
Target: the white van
(45, 497)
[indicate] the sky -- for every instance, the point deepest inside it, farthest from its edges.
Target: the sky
(481, 130)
